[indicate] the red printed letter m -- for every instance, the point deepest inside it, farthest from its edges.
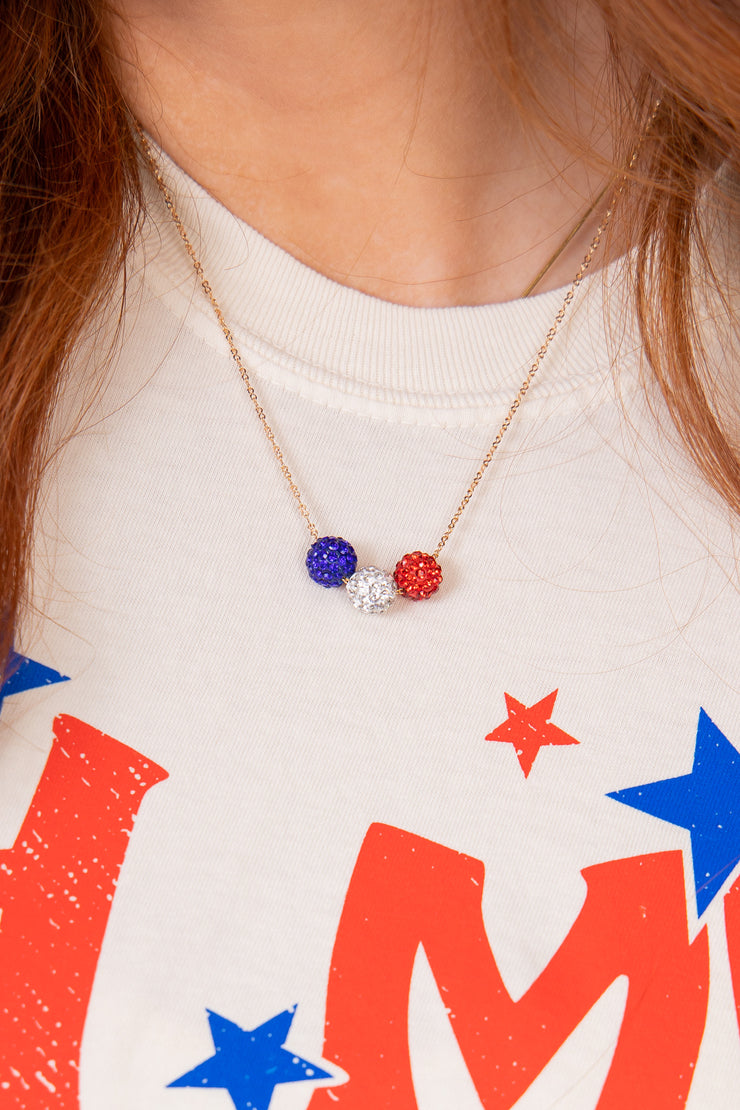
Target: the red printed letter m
(406, 891)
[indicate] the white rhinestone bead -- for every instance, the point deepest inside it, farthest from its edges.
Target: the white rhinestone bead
(371, 589)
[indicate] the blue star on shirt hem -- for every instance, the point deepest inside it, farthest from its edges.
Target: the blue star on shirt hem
(706, 802)
(250, 1063)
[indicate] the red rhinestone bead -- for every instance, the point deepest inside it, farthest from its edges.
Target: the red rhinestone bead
(418, 575)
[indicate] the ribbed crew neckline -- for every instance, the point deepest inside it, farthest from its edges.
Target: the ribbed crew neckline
(291, 321)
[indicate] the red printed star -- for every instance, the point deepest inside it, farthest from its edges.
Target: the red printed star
(529, 728)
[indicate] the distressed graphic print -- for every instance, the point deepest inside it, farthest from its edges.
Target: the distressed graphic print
(529, 728)
(706, 802)
(407, 892)
(250, 1063)
(57, 884)
(22, 673)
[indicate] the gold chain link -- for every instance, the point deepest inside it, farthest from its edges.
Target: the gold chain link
(559, 317)
(523, 388)
(206, 287)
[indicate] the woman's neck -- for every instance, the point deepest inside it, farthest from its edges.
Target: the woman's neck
(373, 142)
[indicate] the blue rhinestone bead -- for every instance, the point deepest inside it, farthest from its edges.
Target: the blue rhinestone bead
(330, 560)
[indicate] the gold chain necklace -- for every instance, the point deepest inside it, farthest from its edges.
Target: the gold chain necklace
(331, 560)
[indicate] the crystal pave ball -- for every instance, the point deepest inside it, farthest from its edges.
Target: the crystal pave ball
(418, 575)
(331, 560)
(371, 590)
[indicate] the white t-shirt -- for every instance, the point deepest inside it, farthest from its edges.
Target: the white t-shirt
(477, 851)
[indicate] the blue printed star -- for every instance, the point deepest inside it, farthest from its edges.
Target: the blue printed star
(26, 674)
(706, 802)
(249, 1063)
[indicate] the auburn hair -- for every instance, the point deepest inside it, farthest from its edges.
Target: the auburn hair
(70, 199)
